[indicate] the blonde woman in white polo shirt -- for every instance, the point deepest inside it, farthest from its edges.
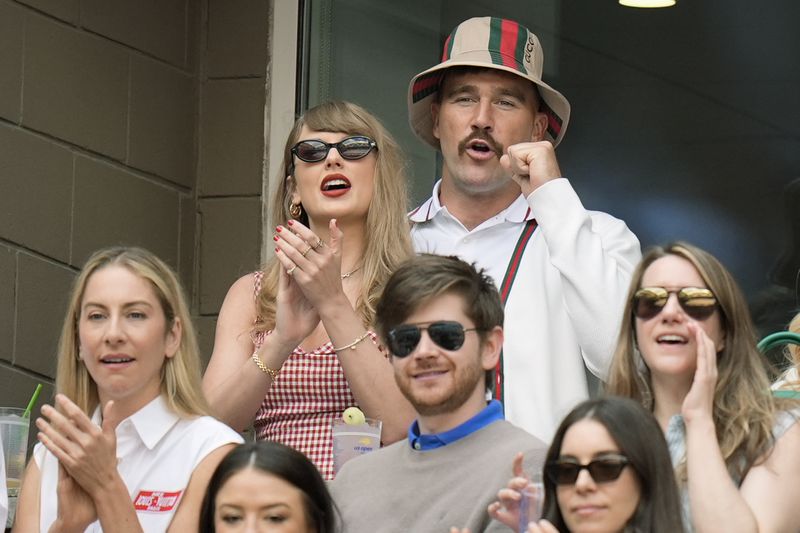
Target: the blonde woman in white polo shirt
(128, 445)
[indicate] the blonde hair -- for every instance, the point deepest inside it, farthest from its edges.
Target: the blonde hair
(794, 350)
(180, 374)
(744, 409)
(793, 354)
(387, 238)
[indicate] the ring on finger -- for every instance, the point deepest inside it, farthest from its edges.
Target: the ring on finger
(291, 270)
(305, 253)
(318, 244)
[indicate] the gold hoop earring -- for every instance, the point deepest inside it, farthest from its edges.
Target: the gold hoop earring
(296, 210)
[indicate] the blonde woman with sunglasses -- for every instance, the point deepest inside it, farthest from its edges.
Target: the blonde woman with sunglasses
(687, 351)
(293, 347)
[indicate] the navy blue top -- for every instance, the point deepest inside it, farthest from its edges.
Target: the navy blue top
(491, 413)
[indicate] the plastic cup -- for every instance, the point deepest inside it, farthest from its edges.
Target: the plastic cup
(352, 440)
(530, 505)
(14, 436)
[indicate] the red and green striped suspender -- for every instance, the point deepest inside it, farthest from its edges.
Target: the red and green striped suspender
(505, 290)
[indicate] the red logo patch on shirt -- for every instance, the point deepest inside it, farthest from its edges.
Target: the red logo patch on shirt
(156, 501)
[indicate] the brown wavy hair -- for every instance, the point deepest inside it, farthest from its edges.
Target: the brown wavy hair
(387, 238)
(744, 410)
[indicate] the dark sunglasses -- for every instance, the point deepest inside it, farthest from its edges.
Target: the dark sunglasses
(698, 303)
(448, 334)
(602, 470)
(314, 150)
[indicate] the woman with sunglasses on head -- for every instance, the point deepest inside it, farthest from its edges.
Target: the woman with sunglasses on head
(127, 445)
(687, 351)
(607, 470)
(293, 347)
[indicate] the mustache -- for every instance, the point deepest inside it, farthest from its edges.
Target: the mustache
(481, 135)
(426, 364)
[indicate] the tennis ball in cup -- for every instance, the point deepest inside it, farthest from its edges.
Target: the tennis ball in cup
(353, 416)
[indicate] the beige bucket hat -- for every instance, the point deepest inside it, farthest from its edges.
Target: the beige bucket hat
(492, 43)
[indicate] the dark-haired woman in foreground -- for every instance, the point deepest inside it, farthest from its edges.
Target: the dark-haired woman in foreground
(607, 470)
(265, 486)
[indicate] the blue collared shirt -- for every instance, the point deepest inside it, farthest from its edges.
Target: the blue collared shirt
(491, 413)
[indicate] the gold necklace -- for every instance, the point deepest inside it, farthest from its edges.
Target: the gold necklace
(348, 274)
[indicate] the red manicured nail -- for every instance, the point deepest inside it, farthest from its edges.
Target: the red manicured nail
(276, 250)
(275, 238)
(289, 222)
(279, 229)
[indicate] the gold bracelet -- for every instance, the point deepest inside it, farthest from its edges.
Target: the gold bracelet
(353, 344)
(264, 368)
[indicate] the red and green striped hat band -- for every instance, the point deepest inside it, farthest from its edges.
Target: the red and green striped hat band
(492, 43)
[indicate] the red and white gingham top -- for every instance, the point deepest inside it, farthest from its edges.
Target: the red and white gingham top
(309, 392)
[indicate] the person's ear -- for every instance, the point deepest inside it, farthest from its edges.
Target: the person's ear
(492, 346)
(539, 127)
(174, 336)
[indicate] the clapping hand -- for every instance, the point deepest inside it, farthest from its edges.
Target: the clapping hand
(314, 264)
(76, 509)
(87, 461)
(87, 452)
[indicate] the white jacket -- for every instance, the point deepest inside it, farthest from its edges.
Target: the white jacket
(566, 301)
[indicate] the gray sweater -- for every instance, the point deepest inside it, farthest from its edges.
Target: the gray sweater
(400, 490)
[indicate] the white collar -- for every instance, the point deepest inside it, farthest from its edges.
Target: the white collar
(151, 422)
(518, 211)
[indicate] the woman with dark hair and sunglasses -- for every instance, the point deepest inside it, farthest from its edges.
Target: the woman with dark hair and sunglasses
(607, 470)
(687, 351)
(293, 347)
(266, 486)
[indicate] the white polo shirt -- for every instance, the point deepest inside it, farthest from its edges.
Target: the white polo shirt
(157, 452)
(565, 304)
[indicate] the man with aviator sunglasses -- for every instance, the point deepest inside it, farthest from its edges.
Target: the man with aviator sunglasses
(441, 321)
(503, 203)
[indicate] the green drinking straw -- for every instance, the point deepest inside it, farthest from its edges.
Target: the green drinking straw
(27, 413)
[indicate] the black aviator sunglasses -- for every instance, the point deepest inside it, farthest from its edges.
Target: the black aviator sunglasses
(448, 334)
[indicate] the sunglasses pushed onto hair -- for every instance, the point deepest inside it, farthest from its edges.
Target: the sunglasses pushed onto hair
(697, 302)
(354, 147)
(604, 469)
(446, 333)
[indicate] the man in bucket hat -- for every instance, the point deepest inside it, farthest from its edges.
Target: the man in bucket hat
(503, 203)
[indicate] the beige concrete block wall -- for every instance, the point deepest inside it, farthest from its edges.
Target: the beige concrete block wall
(99, 114)
(11, 38)
(231, 159)
(124, 122)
